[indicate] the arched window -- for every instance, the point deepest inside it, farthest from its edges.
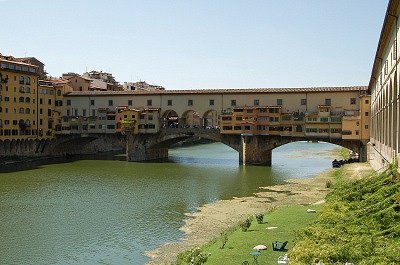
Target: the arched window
(28, 111)
(1, 109)
(21, 110)
(21, 99)
(28, 80)
(21, 80)
(21, 89)
(1, 123)
(27, 89)
(59, 92)
(28, 100)
(28, 122)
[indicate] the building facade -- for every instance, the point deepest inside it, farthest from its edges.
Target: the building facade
(18, 100)
(341, 113)
(385, 93)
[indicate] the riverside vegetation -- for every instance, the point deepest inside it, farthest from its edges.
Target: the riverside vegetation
(359, 223)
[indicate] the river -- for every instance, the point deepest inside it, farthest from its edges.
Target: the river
(112, 211)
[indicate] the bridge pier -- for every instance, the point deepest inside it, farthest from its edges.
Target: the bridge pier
(137, 149)
(254, 150)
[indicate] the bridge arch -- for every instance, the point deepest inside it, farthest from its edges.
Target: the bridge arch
(210, 119)
(190, 119)
(169, 119)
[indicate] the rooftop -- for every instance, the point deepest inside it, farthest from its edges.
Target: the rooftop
(220, 91)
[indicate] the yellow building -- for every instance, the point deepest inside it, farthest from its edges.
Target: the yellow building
(126, 118)
(18, 96)
(50, 106)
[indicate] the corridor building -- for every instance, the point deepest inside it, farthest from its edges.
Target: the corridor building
(384, 89)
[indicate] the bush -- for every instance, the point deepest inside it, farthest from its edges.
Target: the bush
(328, 184)
(224, 238)
(192, 257)
(260, 218)
(245, 225)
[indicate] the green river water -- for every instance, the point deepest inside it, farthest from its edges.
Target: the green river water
(111, 211)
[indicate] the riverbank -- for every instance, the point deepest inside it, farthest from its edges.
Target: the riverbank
(212, 219)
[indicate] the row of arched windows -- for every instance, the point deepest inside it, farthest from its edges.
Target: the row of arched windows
(27, 99)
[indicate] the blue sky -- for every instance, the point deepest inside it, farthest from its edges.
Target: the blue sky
(183, 44)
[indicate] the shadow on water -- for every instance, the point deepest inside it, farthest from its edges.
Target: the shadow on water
(25, 163)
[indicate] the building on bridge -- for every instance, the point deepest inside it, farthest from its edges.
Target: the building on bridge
(313, 112)
(385, 93)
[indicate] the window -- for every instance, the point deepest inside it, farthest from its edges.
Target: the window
(279, 102)
(49, 112)
(40, 101)
(149, 102)
(190, 102)
(211, 102)
(68, 112)
(21, 99)
(21, 80)
(84, 112)
(40, 111)
(92, 102)
(303, 101)
(256, 102)
(27, 90)
(366, 101)
(68, 102)
(366, 113)
(386, 67)
(21, 110)
(150, 117)
(93, 112)
(76, 112)
(28, 80)
(352, 101)
(49, 101)
(328, 102)
(366, 126)
(27, 110)
(58, 92)
(233, 102)
(129, 102)
(110, 102)
(169, 102)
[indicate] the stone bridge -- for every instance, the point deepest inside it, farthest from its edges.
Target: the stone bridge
(253, 149)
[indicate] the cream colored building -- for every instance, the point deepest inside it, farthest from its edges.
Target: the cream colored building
(385, 93)
(292, 112)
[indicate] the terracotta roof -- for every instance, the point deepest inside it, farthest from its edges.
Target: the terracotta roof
(17, 62)
(219, 91)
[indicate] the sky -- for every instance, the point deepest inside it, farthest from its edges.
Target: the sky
(187, 44)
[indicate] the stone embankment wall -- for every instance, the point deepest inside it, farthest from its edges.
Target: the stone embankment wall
(61, 146)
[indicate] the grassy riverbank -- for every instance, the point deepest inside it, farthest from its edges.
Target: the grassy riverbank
(359, 223)
(286, 219)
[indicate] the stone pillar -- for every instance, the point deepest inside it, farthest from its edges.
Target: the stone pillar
(137, 149)
(254, 152)
(362, 153)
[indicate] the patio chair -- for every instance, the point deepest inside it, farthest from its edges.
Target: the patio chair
(279, 246)
(283, 259)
